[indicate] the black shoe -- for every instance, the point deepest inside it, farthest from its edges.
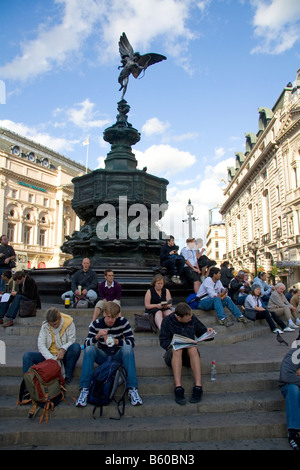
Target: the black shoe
(179, 396)
(68, 380)
(197, 394)
(294, 441)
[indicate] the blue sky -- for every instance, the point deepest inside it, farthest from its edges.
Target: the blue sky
(225, 59)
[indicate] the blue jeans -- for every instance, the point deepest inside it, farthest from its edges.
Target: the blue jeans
(4, 306)
(14, 306)
(215, 303)
(291, 394)
(93, 354)
(174, 265)
(70, 359)
(91, 295)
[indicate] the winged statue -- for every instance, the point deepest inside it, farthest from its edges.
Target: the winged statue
(133, 63)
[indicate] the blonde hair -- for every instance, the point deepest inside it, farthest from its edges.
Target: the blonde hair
(112, 308)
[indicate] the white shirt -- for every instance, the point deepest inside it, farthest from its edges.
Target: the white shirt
(209, 288)
(252, 301)
(190, 255)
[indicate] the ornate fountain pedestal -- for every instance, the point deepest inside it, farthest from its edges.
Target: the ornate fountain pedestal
(119, 205)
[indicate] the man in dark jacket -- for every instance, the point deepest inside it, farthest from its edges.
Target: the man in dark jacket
(289, 383)
(84, 282)
(26, 289)
(184, 323)
(239, 288)
(170, 259)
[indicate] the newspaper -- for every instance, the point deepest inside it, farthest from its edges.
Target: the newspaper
(180, 342)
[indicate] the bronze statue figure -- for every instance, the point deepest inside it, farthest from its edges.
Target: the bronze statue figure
(133, 63)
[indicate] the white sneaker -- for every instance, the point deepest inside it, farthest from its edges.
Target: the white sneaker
(133, 395)
(292, 325)
(298, 322)
(82, 399)
(277, 330)
(287, 328)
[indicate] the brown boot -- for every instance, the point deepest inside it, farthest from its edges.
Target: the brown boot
(7, 324)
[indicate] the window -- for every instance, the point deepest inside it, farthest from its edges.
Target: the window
(30, 197)
(277, 194)
(42, 240)
(27, 235)
(46, 202)
(11, 232)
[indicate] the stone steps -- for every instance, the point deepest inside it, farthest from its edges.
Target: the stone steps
(243, 404)
(107, 432)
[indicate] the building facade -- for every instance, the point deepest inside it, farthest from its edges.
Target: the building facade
(35, 200)
(216, 242)
(262, 207)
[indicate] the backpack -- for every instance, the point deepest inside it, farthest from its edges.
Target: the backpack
(193, 301)
(82, 302)
(106, 379)
(43, 386)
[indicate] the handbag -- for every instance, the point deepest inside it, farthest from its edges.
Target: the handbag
(27, 308)
(250, 313)
(142, 323)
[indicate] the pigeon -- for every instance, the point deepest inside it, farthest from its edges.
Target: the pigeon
(280, 340)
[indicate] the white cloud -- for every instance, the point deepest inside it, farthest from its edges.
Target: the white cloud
(205, 193)
(164, 160)
(83, 115)
(56, 46)
(55, 143)
(53, 46)
(276, 24)
(154, 126)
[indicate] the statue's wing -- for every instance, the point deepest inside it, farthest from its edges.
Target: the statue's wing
(145, 60)
(125, 47)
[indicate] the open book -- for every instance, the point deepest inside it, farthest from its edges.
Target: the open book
(179, 342)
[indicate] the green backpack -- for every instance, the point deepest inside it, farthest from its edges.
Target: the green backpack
(43, 386)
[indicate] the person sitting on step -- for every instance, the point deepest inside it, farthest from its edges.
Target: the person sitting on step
(184, 323)
(213, 296)
(118, 329)
(158, 300)
(171, 260)
(255, 310)
(289, 384)
(191, 269)
(109, 291)
(84, 282)
(26, 289)
(57, 340)
(278, 303)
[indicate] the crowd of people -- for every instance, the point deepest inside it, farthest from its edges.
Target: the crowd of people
(215, 289)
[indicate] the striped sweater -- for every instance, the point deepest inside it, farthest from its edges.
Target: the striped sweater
(121, 330)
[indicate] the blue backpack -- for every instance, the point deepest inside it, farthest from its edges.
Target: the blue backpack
(106, 380)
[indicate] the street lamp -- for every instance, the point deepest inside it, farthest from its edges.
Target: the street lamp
(254, 247)
(189, 210)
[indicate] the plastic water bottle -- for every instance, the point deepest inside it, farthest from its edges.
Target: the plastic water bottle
(213, 373)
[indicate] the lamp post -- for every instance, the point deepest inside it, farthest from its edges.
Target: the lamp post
(189, 210)
(254, 247)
